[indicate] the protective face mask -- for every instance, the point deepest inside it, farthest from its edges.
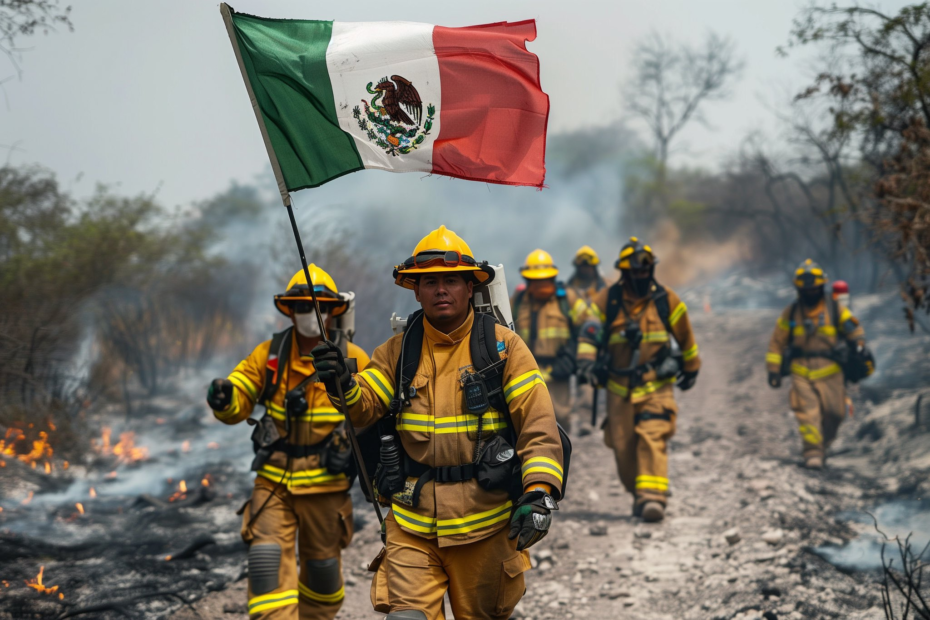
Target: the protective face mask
(542, 290)
(307, 324)
(811, 297)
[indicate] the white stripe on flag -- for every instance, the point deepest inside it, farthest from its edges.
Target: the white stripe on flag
(363, 52)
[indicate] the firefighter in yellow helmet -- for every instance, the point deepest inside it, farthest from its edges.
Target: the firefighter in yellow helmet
(818, 342)
(587, 280)
(457, 524)
(545, 313)
(302, 458)
(637, 342)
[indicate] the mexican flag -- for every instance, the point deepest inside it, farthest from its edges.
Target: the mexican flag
(336, 97)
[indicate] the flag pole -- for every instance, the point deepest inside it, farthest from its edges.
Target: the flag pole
(227, 12)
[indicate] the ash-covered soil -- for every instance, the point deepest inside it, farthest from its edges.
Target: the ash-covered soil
(734, 474)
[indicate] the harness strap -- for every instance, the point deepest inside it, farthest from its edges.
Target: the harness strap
(300, 451)
(648, 415)
(451, 473)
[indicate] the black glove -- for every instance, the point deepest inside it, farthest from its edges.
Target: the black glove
(531, 518)
(219, 394)
(774, 379)
(585, 372)
(686, 380)
(563, 366)
(331, 366)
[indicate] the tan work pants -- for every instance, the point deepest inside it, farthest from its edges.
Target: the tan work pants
(819, 407)
(638, 434)
(562, 402)
(484, 578)
(320, 525)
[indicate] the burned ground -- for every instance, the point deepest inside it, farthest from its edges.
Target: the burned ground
(733, 466)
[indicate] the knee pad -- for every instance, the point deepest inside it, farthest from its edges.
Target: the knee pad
(264, 562)
(324, 576)
(407, 614)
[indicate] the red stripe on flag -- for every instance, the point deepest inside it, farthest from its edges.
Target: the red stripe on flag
(494, 113)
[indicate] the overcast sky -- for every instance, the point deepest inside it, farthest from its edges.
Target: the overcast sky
(145, 95)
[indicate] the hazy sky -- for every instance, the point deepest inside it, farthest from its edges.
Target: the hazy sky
(148, 94)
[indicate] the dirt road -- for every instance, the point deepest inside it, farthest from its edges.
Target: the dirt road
(734, 471)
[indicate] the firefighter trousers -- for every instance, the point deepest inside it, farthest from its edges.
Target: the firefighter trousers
(319, 526)
(638, 433)
(819, 407)
(562, 402)
(484, 579)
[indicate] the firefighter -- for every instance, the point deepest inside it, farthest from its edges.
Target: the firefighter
(810, 343)
(301, 489)
(545, 313)
(587, 280)
(628, 345)
(455, 526)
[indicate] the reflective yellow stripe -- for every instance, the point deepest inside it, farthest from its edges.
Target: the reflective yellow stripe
(353, 395)
(691, 353)
(647, 388)
(542, 465)
(245, 384)
(521, 384)
(677, 313)
(425, 423)
(379, 383)
(827, 330)
(814, 375)
(274, 600)
(593, 309)
(810, 434)
(552, 333)
(584, 348)
(413, 521)
(578, 310)
(301, 477)
(653, 483)
(470, 523)
(783, 324)
(619, 337)
(845, 315)
(231, 411)
(335, 597)
(773, 358)
(317, 415)
(799, 330)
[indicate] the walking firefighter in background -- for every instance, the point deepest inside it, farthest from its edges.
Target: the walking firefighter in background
(636, 342)
(545, 313)
(471, 458)
(302, 461)
(587, 280)
(819, 342)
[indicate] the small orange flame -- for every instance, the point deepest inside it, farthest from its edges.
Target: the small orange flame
(126, 450)
(51, 426)
(3, 463)
(65, 465)
(93, 493)
(183, 487)
(111, 475)
(6, 584)
(48, 468)
(181, 493)
(61, 595)
(80, 507)
(27, 500)
(186, 446)
(16, 444)
(213, 445)
(167, 558)
(38, 585)
(206, 481)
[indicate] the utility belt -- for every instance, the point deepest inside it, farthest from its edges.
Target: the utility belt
(856, 363)
(664, 364)
(334, 452)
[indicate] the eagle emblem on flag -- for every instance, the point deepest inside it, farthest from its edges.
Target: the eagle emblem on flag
(394, 118)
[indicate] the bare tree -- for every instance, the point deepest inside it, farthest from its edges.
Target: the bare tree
(672, 82)
(23, 18)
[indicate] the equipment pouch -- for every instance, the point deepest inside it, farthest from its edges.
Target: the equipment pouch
(337, 457)
(264, 436)
(389, 482)
(669, 367)
(786, 356)
(497, 466)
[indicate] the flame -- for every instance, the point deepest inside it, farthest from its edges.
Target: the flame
(1, 508)
(2, 463)
(80, 507)
(51, 426)
(48, 468)
(186, 446)
(167, 558)
(27, 500)
(181, 493)
(213, 445)
(111, 475)
(93, 493)
(206, 481)
(183, 487)
(126, 450)
(65, 465)
(38, 585)
(6, 584)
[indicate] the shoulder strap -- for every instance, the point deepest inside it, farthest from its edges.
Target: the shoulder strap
(409, 359)
(278, 355)
(562, 295)
(791, 323)
(614, 305)
(484, 356)
(660, 298)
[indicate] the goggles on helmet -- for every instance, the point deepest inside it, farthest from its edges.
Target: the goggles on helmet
(437, 258)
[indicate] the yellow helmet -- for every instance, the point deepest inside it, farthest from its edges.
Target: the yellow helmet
(326, 292)
(635, 255)
(809, 275)
(438, 252)
(586, 254)
(538, 266)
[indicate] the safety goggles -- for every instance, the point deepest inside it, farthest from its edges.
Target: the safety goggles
(438, 258)
(585, 259)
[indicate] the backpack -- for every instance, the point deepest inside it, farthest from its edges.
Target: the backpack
(562, 295)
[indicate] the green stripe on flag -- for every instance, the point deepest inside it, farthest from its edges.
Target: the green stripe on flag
(286, 65)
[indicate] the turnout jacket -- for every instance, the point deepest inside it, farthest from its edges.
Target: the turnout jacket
(436, 431)
(587, 293)
(553, 328)
(642, 310)
(306, 475)
(814, 332)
